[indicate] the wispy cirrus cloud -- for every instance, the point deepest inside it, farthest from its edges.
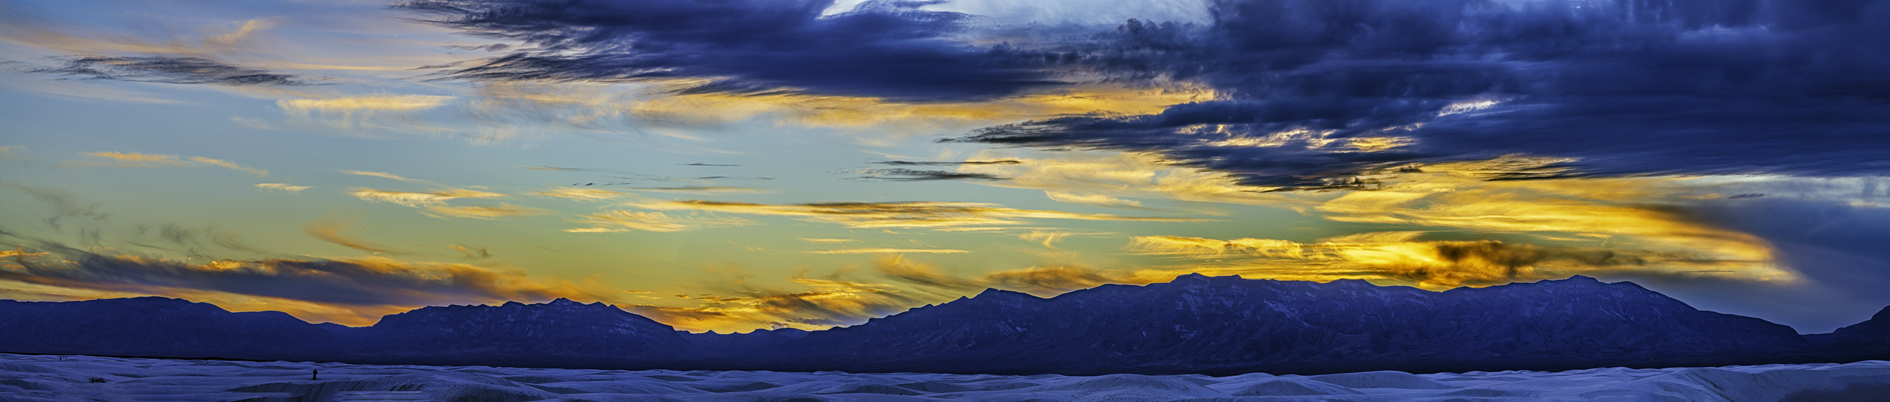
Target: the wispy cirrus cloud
(331, 229)
(895, 214)
(134, 159)
(385, 175)
(582, 194)
(890, 251)
(283, 187)
(617, 221)
(420, 199)
(485, 211)
(923, 175)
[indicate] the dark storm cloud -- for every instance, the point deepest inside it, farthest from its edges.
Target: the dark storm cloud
(885, 49)
(1309, 87)
(169, 70)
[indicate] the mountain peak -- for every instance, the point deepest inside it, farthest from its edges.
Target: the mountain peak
(1581, 279)
(995, 293)
(564, 302)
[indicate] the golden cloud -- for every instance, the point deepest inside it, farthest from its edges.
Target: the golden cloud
(383, 175)
(364, 104)
(486, 211)
(582, 194)
(596, 106)
(819, 304)
(830, 240)
(133, 159)
(1102, 178)
(1439, 264)
(654, 222)
(894, 214)
(890, 251)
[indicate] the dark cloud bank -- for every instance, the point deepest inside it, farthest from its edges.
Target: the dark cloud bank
(888, 49)
(1624, 86)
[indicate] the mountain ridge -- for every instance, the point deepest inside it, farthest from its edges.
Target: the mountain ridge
(1194, 324)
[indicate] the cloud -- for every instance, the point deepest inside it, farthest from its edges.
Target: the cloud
(416, 200)
(475, 253)
(703, 189)
(373, 111)
(329, 229)
(1313, 92)
(1091, 199)
(368, 281)
(1103, 178)
(922, 175)
(614, 221)
(895, 214)
(830, 240)
(1043, 281)
(389, 176)
(485, 211)
(20, 253)
(170, 70)
(888, 50)
(65, 206)
(133, 159)
(1049, 238)
(283, 187)
(924, 274)
(1052, 280)
(960, 163)
(1437, 264)
(890, 251)
(812, 303)
(582, 194)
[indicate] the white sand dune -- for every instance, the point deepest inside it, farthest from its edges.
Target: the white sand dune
(88, 378)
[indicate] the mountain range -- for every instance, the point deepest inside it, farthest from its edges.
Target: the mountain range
(1194, 324)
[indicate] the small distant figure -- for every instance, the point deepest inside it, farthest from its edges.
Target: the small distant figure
(314, 374)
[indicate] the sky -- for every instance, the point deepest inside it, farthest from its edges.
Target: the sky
(731, 165)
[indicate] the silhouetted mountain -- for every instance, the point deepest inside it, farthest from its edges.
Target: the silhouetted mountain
(1228, 324)
(520, 334)
(1869, 339)
(1194, 324)
(154, 326)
